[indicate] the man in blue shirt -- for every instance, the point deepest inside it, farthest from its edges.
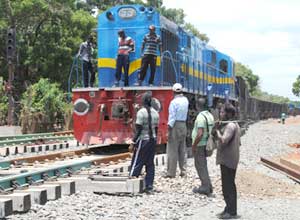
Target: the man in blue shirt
(151, 43)
(176, 147)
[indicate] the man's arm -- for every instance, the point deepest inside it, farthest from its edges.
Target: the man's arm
(172, 114)
(143, 45)
(138, 131)
(228, 133)
(197, 139)
(80, 50)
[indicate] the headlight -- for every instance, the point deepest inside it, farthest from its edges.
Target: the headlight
(81, 107)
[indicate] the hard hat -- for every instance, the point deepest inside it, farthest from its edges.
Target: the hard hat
(177, 87)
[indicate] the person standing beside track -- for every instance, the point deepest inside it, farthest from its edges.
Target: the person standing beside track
(144, 141)
(202, 126)
(126, 45)
(228, 157)
(149, 50)
(177, 131)
(85, 53)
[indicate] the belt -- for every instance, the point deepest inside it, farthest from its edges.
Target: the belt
(180, 121)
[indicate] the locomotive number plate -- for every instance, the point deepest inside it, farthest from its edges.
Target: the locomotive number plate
(127, 13)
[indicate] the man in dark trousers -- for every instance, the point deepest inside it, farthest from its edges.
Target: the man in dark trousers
(202, 127)
(126, 45)
(85, 53)
(151, 43)
(144, 141)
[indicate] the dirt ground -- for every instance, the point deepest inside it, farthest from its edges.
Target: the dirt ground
(253, 184)
(288, 121)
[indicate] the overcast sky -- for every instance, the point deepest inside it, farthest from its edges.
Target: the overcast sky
(262, 34)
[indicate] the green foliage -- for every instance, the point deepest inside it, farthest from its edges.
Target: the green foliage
(269, 97)
(296, 87)
(173, 14)
(191, 28)
(43, 106)
(250, 78)
(3, 104)
(48, 35)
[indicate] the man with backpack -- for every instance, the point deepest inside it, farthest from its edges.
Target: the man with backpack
(202, 128)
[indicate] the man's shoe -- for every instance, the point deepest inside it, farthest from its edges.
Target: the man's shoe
(168, 176)
(226, 215)
(116, 84)
(151, 85)
(149, 191)
(182, 174)
(221, 213)
(201, 190)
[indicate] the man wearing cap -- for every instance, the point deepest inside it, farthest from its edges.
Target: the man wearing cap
(202, 127)
(176, 147)
(151, 43)
(126, 45)
(85, 53)
(144, 141)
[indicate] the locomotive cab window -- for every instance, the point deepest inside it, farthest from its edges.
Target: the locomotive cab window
(223, 66)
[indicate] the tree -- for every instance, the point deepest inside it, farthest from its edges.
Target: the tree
(48, 35)
(173, 14)
(245, 72)
(190, 27)
(296, 87)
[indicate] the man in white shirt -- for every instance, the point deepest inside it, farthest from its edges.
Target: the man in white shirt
(176, 147)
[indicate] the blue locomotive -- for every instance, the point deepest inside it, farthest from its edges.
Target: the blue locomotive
(186, 59)
(105, 114)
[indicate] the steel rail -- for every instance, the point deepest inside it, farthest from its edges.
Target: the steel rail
(25, 136)
(56, 170)
(34, 139)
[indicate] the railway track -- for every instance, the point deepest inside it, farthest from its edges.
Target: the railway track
(31, 179)
(38, 138)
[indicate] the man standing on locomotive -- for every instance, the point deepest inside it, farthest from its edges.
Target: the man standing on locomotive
(177, 131)
(150, 44)
(126, 45)
(144, 141)
(85, 53)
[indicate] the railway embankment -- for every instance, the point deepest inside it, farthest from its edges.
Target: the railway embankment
(263, 193)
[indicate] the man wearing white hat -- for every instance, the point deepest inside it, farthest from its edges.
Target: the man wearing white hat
(176, 148)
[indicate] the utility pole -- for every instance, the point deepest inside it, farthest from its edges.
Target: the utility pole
(10, 53)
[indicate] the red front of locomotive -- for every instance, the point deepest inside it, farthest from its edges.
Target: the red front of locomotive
(107, 116)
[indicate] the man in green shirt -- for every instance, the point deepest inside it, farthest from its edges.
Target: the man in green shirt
(200, 135)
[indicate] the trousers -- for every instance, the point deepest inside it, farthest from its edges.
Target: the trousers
(176, 149)
(201, 167)
(122, 62)
(147, 60)
(229, 189)
(144, 155)
(88, 68)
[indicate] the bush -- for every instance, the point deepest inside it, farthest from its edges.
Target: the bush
(3, 104)
(42, 107)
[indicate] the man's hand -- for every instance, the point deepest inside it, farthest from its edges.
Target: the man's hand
(194, 149)
(131, 147)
